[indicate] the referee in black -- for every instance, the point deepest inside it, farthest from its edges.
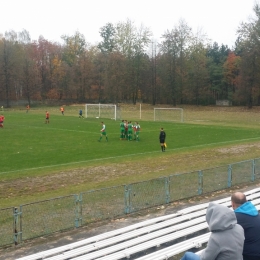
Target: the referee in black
(162, 138)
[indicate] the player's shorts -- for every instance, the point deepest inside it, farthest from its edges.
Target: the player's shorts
(137, 132)
(130, 132)
(122, 130)
(47, 118)
(104, 133)
(162, 141)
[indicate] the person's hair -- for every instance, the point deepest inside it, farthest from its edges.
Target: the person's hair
(238, 199)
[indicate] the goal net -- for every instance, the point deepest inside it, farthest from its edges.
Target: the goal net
(102, 111)
(168, 114)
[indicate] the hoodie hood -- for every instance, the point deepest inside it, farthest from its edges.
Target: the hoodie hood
(220, 217)
(247, 208)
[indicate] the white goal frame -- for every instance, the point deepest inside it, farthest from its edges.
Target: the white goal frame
(178, 108)
(99, 108)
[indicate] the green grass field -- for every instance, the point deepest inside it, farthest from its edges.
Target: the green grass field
(33, 153)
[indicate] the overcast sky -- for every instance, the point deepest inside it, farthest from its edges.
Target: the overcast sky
(219, 19)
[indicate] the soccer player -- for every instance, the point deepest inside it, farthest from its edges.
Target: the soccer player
(2, 118)
(126, 128)
(80, 113)
(62, 110)
(134, 126)
(122, 130)
(103, 132)
(130, 131)
(27, 108)
(47, 118)
(138, 128)
(162, 138)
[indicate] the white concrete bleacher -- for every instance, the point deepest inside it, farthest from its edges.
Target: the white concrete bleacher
(147, 235)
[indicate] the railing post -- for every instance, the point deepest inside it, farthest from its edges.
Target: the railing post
(253, 170)
(200, 189)
(78, 210)
(167, 190)
(127, 199)
(229, 175)
(17, 227)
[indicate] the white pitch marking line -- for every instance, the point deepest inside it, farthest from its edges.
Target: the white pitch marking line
(126, 155)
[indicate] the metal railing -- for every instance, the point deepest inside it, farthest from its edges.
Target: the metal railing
(28, 221)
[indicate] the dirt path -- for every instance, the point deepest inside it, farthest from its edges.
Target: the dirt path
(101, 174)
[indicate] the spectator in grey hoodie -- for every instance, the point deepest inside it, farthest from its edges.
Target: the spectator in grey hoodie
(226, 239)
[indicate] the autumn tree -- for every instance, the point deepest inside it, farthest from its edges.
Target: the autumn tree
(217, 55)
(248, 47)
(153, 74)
(74, 51)
(231, 73)
(106, 47)
(9, 64)
(123, 44)
(28, 67)
(198, 87)
(139, 60)
(174, 45)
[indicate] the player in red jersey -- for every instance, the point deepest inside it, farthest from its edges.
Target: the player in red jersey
(62, 110)
(2, 118)
(47, 117)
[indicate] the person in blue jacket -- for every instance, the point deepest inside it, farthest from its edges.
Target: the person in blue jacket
(248, 217)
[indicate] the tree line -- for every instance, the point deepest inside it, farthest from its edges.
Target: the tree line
(128, 66)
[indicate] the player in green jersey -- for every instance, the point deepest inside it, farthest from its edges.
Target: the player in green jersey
(126, 129)
(122, 130)
(134, 126)
(130, 131)
(137, 128)
(103, 132)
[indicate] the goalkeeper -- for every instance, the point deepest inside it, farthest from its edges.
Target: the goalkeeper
(80, 114)
(162, 138)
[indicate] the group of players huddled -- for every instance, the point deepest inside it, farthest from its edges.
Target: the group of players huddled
(129, 131)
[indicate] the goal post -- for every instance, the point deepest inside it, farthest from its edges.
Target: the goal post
(102, 111)
(168, 114)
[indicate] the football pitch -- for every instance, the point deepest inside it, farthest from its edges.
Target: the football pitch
(31, 149)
